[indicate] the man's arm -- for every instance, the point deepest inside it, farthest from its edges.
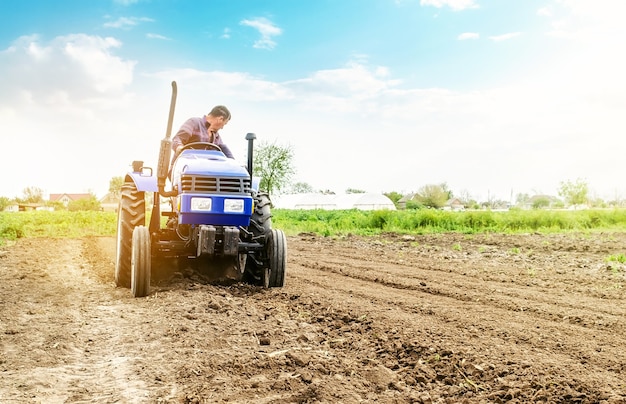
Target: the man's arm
(226, 151)
(183, 135)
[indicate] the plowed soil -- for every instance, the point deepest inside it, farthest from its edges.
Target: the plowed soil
(389, 319)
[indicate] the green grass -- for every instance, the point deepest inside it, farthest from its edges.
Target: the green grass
(15, 225)
(60, 224)
(621, 258)
(436, 221)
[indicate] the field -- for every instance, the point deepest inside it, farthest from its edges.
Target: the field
(432, 318)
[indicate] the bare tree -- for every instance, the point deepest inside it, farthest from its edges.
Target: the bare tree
(466, 198)
(32, 195)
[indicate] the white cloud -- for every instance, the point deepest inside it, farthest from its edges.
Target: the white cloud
(106, 72)
(545, 11)
(468, 35)
(505, 37)
(79, 65)
(456, 5)
(229, 85)
(267, 29)
(352, 88)
(126, 22)
(151, 35)
(585, 21)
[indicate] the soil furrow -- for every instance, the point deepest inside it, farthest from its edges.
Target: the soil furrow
(387, 319)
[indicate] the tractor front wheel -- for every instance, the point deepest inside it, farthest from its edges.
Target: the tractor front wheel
(140, 263)
(276, 249)
(131, 213)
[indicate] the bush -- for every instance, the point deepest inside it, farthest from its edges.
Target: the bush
(87, 204)
(413, 205)
(11, 231)
(4, 203)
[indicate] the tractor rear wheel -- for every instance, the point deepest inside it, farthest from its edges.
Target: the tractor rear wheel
(276, 249)
(140, 262)
(131, 213)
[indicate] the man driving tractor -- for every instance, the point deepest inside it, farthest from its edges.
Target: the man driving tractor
(204, 129)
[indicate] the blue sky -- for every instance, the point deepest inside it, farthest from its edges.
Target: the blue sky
(494, 97)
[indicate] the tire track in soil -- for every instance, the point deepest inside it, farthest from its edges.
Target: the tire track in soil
(306, 359)
(58, 334)
(357, 276)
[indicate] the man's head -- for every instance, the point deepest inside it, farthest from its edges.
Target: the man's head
(218, 117)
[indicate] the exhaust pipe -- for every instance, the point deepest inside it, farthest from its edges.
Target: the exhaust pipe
(250, 137)
(165, 152)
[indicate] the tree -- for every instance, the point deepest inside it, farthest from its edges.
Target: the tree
(434, 196)
(394, 196)
(301, 188)
(4, 203)
(575, 193)
(522, 199)
(274, 164)
(115, 186)
(354, 191)
(31, 195)
(541, 202)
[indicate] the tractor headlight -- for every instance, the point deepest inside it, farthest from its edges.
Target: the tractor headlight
(233, 205)
(201, 204)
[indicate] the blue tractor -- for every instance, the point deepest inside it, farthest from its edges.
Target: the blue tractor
(219, 222)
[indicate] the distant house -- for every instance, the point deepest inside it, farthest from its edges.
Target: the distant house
(25, 207)
(109, 202)
(65, 199)
(454, 204)
(406, 198)
(15, 207)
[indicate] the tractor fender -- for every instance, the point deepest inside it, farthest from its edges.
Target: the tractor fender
(143, 182)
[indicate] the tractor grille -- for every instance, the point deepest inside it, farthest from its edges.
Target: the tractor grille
(222, 185)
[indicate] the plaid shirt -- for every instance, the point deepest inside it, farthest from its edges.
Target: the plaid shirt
(197, 130)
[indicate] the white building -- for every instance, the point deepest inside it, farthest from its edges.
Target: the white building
(364, 201)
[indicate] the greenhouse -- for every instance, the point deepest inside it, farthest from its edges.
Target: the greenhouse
(363, 201)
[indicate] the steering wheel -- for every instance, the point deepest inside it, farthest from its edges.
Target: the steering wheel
(201, 146)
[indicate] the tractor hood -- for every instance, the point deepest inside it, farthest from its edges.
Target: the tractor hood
(206, 163)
